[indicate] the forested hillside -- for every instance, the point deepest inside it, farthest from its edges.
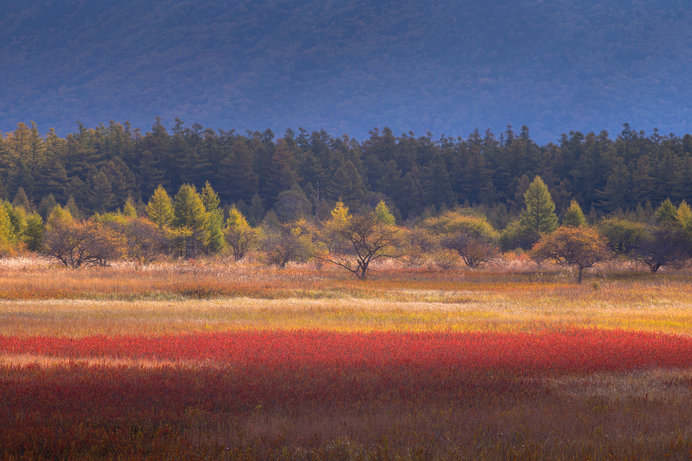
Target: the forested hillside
(303, 173)
(346, 66)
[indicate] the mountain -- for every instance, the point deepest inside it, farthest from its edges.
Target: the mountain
(445, 66)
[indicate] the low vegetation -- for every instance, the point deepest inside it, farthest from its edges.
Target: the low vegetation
(239, 360)
(193, 225)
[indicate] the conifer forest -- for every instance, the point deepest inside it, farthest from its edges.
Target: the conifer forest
(100, 168)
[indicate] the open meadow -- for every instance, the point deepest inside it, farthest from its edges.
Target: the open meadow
(230, 360)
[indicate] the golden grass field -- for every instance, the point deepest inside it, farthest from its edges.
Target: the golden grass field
(626, 414)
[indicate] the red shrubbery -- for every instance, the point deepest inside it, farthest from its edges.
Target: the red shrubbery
(137, 409)
(559, 351)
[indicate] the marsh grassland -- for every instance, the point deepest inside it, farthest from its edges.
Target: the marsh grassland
(237, 361)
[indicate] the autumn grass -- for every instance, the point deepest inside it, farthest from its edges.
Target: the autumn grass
(138, 408)
(219, 278)
(661, 303)
(107, 410)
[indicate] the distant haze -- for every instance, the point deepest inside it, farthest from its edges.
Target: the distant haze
(445, 66)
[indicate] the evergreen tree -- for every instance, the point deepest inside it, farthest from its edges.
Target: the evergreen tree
(59, 216)
(189, 213)
(347, 184)
(256, 210)
(539, 216)
(685, 216)
(216, 242)
(129, 209)
(46, 206)
(51, 178)
(121, 179)
(102, 197)
(160, 208)
(73, 208)
(17, 220)
(339, 215)
(278, 176)
(574, 216)
(238, 176)
(667, 215)
(211, 201)
(383, 214)
(148, 175)
(7, 237)
(210, 198)
(292, 204)
(436, 184)
(33, 235)
(22, 201)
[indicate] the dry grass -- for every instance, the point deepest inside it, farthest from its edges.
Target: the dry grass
(631, 415)
(639, 414)
(642, 305)
(41, 279)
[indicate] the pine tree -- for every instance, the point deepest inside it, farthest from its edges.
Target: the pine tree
(339, 215)
(574, 216)
(240, 180)
(21, 200)
(256, 211)
(236, 219)
(160, 208)
(148, 175)
(102, 198)
(667, 215)
(129, 209)
(17, 220)
(189, 212)
(383, 214)
(33, 235)
(73, 208)
(211, 202)
(685, 216)
(347, 184)
(46, 206)
(58, 216)
(539, 216)
(120, 177)
(7, 237)
(216, 242)
(210, 198)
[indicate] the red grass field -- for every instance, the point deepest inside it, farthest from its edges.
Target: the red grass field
(550, 392)
(384, 353)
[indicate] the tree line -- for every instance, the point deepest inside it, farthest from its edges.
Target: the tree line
(302, 174)
(193, 223)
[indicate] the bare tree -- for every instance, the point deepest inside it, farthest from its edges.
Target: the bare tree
(290, 242)
(83, 244)
(362, 240)
(572, 246)
(473, 249)
(662, 246)
(144, 240)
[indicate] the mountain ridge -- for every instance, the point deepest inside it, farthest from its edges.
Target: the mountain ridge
(445, 67)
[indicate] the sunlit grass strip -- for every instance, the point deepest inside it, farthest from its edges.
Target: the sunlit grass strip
(218, 279)
(550, 351)
(480, 312)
